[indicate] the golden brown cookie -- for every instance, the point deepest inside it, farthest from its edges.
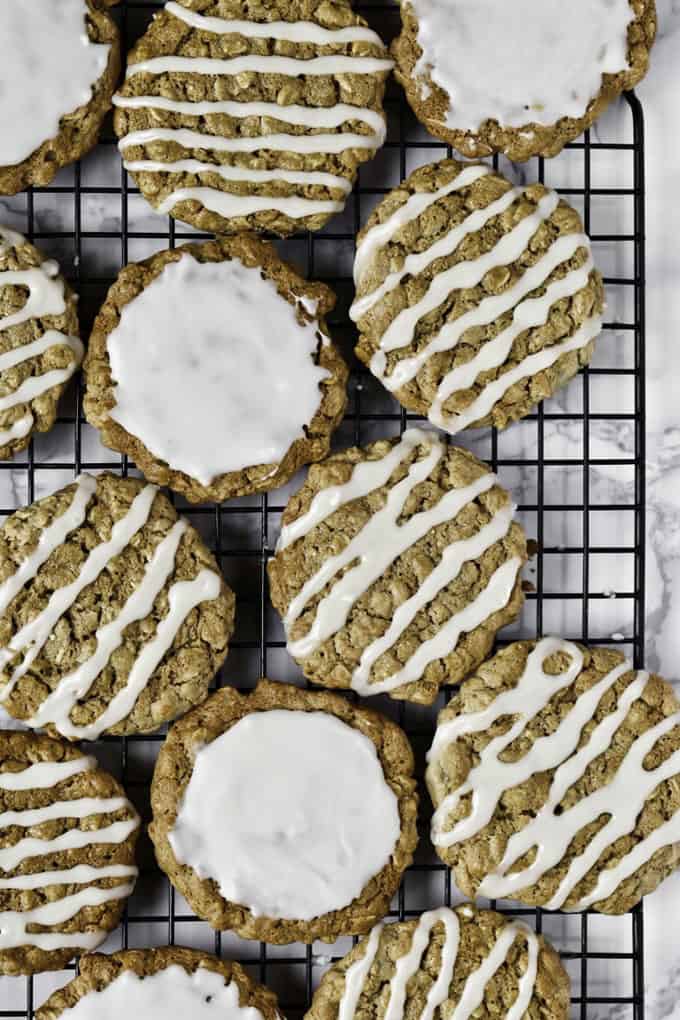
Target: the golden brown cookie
(161, 982)
(285, 814)
(67, 853)
(211, 365)
(475, 299)
(396, 566)
(243, 116)
(555, 778)
(59, 64)
(114, 617)
(463, 962)
(523, 78)
(40, 347)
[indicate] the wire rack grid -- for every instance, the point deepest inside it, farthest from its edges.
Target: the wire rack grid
(576, 467)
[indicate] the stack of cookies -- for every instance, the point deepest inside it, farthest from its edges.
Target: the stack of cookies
(288, 812)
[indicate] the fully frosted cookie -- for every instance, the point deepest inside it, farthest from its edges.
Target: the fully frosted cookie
(555, 777)
(67, 853)
(211, 365)
(475, 299)
(58, 68)
(395, 567)
(157, 984)
(40, 347)
(285, 814)
(244, 117)
(523, 78)
(447, 963)
(114, 617)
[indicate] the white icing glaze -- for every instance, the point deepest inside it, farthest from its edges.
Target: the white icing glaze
(290, 31)
(10, 239)
(378, 544)
(541, 61)
(14, 924)
(382, 233)
(48, 67)
(472, 995)
(207, 329)
(169, 993)
(264, 834)
(45, 297)
(183, 596)
(528, 312)
(551, 831)
(45, 774)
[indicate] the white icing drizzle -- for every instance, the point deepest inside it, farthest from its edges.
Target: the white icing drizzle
(262, 832)
(10, 239)
(170, 992)
(223, 202)
(45, 297)
(228, 205)
(379, 543)
(260, 64)
(551, 833)
(542, 61)
(290, 31)
(528, 312)
(382, 233)
(237, 173)
(472, 995)
(48, 67)
(14, 924)
(207, 328)
(183, 596)
(50, 538)
(45, 774)
(189, 139)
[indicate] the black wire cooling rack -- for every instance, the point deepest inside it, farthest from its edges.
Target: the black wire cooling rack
(587, 575)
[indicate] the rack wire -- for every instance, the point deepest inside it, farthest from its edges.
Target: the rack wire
(576, 467)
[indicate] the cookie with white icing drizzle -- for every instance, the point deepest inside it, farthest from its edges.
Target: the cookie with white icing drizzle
(58, 69)
(234, 117)
(285, 814)
(114, 617)
(40, 347)
(67, 853)
(396, 566)
(475, 299)
(523, 78)
(554, 774)
(211, 365)
(446, 963)
(160, 983)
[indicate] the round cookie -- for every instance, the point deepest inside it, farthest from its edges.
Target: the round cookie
(458, 963)
(58, 68)
(555, 777)
(67, 853)
(212, 367)
(114, 617)
(475, 299)
(523, 78)
(285, 814)
(160, 983)
(252, 117)
(396, 566)
(40, 348)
